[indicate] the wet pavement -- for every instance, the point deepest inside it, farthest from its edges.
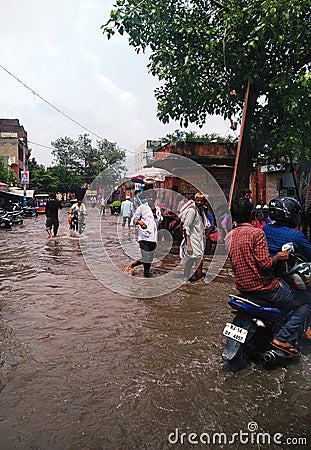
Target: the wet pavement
(82, 367)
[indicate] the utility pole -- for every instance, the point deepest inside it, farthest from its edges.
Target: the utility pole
(240, 144)
(24, 167)
(25, 175)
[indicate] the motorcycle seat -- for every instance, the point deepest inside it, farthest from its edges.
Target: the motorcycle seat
(253, 307)
(253, 300)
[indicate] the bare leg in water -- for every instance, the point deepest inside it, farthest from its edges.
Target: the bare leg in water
(198, 269)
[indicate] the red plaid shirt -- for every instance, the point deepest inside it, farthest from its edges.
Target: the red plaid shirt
(250, 260)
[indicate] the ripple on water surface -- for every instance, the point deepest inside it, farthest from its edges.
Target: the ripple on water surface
(87, 368)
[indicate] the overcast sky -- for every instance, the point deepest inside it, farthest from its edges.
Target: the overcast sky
(57, 49)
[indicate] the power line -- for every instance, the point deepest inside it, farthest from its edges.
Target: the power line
(40, 145)
(52, 106)
(52, 148)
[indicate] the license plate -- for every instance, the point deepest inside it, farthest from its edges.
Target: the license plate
(237, 333)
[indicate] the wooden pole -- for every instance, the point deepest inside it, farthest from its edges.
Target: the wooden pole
(237, 159)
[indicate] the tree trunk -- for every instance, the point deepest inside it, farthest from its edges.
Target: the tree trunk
(243, 167)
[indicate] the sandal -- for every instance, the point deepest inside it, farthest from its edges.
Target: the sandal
(128, 270)
(308, 333)
(285, 347)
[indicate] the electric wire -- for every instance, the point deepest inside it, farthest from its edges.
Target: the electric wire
(41, 145)
(56, 109)
(52, 148)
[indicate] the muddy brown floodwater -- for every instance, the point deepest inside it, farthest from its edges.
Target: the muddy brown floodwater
(83, 367)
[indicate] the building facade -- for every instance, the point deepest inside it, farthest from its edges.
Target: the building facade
(14, 145)
(144, 154)
(217, 158)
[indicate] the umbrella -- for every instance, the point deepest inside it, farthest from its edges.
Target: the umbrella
(150, 173)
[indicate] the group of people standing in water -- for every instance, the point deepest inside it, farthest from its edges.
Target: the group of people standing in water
(254, 247)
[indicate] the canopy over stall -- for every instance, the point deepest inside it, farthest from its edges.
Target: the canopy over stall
(20, 192)
(150, 174)
(15, 195)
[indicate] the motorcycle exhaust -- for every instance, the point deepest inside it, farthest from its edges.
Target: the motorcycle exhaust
(273, 356)
(269, 356)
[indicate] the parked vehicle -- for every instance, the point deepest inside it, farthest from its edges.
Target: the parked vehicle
(17, 217)
(5, 220)
(41, 200)
(30, 211)
(15, 212)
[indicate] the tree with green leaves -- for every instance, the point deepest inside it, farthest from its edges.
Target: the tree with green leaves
(66, 153)
(42, 181)
(67, 180)
(7, 174)
(206, 53)
(86, 160)
(193, 136)
(55, 179)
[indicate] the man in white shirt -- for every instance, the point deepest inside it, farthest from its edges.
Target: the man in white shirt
(77, 220)
(147, 216)
(192, 247)
(79, 206)
(103, 203)
(127, 211)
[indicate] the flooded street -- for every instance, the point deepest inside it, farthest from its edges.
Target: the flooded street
(83, 367)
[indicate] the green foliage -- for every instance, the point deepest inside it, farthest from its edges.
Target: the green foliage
(82, 158)
(7, 175)
(67, 180)
(65, 153)
(193, 136)
(79, 163)
(43, 181)
(204, 52)
(55, 179)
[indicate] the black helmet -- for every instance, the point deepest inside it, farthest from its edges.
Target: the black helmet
(286, 210)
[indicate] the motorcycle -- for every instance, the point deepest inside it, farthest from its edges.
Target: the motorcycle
(25, 211)
(30, 211)
(17, 218)
(115, 210)
(16, 214)
(5, 220)
(250, 333)
(255, 323)
(77, 222)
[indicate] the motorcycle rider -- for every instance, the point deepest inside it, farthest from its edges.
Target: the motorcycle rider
(79, 206)
(286, 214)
(252, 266)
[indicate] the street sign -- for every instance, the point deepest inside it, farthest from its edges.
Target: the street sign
(11, 160)
(24, 177)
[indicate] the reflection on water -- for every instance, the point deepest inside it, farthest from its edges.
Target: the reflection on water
(82, 367)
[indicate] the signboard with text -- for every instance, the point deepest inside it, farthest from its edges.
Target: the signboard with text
(11, 160)
(24, 177)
